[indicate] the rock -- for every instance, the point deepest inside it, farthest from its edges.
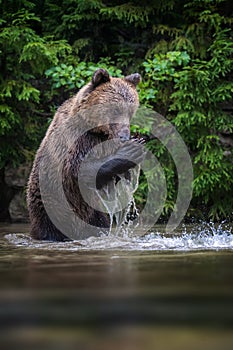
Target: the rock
(17, 178)
(18, 208)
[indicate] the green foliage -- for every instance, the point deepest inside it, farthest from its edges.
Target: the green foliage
(129, 13)
(24, 57)
(72, 77)
(198, 90)
(199, 97)
(161, 68)
(183, 50)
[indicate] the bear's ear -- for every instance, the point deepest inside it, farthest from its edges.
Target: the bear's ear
(99, 77)
(133, 78)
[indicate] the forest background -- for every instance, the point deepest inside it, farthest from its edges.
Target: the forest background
(182, 49)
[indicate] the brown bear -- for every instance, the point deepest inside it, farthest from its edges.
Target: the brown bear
(98, 113)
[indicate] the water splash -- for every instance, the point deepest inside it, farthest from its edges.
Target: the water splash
(117, 200)
(200, 238)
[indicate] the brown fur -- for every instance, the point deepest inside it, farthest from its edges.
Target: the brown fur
(98, 103)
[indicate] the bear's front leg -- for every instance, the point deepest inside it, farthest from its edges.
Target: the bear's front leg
(127, 157)
(130, 154)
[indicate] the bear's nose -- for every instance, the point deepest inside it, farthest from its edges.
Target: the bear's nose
(124, 134)
(124, 138)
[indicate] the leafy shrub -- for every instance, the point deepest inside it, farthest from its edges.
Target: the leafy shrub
(24, 57)
(182, 49)
(193, 93)
(71, 77)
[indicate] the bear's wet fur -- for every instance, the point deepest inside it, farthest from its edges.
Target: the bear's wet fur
(86, 115)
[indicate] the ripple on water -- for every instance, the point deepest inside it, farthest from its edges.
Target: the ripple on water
(204, 237)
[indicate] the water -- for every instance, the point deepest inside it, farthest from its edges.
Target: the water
(203, 237)
(117, 201)
(127, 291)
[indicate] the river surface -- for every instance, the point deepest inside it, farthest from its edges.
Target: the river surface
(127, 292)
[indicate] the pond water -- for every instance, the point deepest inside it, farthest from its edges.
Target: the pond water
(129, 292)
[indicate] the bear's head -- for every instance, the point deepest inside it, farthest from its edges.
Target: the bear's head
(106, 104)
